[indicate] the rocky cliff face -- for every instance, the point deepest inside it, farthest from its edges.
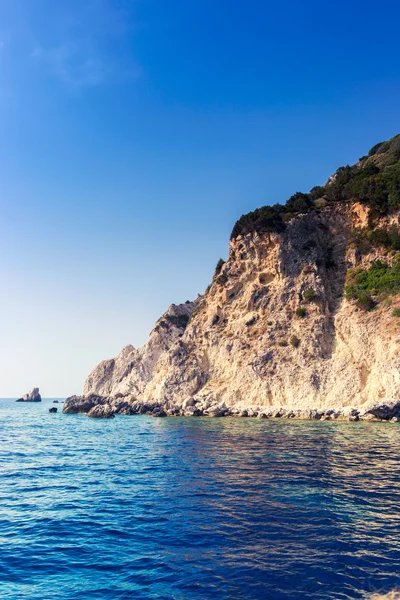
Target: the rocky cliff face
(274, 332)
(129, 374)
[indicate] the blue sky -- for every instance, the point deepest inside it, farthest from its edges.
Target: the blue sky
(134, 134)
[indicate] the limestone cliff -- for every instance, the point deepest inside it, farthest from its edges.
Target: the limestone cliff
(290, 321)
(131, 371)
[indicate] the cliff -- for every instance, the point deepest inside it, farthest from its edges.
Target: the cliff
(302, 318)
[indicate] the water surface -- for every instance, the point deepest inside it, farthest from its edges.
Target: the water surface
(137, 507)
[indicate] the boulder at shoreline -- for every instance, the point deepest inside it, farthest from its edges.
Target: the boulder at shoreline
(101, 411)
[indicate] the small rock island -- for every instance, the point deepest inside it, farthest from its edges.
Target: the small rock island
(32, 396)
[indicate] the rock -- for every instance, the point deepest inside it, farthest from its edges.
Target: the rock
(233, 346)
(159, 413)
(32, 396)
(384, 409)
(395, 420)
(122, 407)
(55, 401)
(101, 411)
(53, 409)
(369, 417)
(214, 411)
(82, 404)
(135, 368)
(277, 414)
(350, 412)
(188, 402)
(126, 411)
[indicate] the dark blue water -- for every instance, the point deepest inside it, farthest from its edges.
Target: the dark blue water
(138, 507)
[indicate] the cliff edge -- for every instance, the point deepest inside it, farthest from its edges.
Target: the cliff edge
(302, 318)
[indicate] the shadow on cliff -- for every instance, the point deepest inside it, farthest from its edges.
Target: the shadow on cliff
(313, 255)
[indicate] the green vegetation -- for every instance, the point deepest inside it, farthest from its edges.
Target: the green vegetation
(374, 181)
(178, 320)
(310, 295)
(365, 239)
(396, 312)
(301, 312)
(294, 341)
(379, 279)
(283, 343)
(218, 267)
(365, 301)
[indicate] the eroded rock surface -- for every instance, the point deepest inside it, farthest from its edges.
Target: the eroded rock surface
(32, 396)
(101, 411)
(274, 335)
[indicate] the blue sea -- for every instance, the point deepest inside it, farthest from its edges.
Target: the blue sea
(195, 508)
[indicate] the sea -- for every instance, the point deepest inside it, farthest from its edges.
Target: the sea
(195, 508)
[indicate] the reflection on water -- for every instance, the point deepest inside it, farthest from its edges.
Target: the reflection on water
(194, 508)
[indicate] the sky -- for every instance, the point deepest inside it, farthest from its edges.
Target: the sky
(133, 133)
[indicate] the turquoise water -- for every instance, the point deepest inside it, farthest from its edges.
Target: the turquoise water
(137, 507)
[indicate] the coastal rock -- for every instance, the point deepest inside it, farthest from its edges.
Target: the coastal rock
(32, 396)
(369, 417)
(159, 413)
(274, 333)
(82, 404)
(53, 409)
(385, 409)
(101, 411)
(130, 372)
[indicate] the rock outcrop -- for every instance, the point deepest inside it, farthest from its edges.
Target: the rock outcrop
(82, 404)
(32, 396)
(274, 335)
(130, 372)
(101, 411)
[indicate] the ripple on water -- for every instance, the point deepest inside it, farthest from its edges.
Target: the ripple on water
(195, 508)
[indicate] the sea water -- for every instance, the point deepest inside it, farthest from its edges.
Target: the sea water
(195, 508)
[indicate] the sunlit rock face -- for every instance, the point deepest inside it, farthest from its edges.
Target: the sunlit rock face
(245, 347)
(32, 396)
(129, 374)
(301, 321)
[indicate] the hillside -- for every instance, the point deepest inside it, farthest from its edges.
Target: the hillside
(301, 320)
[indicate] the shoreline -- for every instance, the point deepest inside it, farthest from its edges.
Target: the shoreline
(104, 407)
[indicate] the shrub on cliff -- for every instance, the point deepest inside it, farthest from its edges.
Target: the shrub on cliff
(262, 220)
(365, 239)
(310, 295)
(301, 312)
(294, 341)
(374, 181)
(380, 278)
(365, 301)
(218, 267)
